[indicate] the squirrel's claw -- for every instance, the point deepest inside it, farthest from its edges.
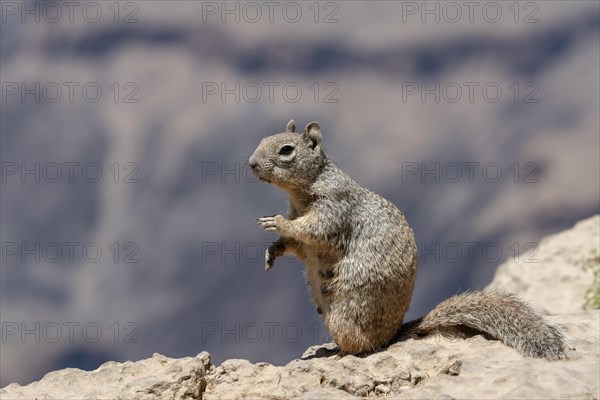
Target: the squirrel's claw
(269, 259)
(269, 224)
(276, 249)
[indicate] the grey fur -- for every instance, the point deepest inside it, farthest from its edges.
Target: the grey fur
(361, 258)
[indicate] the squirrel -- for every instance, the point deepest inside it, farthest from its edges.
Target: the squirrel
(361, 260)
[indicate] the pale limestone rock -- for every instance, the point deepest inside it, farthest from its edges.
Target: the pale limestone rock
(434, 367)
(553, 279)
(156, 378)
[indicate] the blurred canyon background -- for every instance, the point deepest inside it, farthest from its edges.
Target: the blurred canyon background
(127, 210)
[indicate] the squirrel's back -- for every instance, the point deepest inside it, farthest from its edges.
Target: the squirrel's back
(364, 292)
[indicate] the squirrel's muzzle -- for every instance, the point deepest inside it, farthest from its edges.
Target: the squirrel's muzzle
(254, 165)
(252, 162)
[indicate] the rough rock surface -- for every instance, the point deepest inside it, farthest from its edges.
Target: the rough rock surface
(154, 378)
(429, 368)
(433, 367)
(553, 278)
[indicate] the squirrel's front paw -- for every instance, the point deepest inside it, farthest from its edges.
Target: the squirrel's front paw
(271, 224)
(275, 250)
(269, 259)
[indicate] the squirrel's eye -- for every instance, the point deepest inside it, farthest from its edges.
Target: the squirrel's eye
(285, 150)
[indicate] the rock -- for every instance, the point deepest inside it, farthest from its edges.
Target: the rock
(553, 278)
(432, 367)
(157, 378)
(382, 389)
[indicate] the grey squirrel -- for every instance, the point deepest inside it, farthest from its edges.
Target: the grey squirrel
(361, 260)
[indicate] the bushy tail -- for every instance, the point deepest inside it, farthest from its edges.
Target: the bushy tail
(497, 315)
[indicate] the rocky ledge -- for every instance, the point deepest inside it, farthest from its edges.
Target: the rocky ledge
(564, 281)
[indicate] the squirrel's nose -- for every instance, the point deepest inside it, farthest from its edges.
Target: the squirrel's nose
(252, 162)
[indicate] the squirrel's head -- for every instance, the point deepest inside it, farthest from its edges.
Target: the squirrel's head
(290, 160)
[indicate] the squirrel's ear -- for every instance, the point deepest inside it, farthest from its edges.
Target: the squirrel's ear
(291, 127)
(313, 133)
